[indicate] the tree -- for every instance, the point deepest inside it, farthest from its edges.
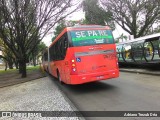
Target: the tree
(8, 55)
(121, 37)
(22, 21)
(156, 30)
(61, 25)
(94, 14)
(37, 52)
(134, 16)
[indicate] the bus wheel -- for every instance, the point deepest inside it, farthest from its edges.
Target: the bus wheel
(59, 78)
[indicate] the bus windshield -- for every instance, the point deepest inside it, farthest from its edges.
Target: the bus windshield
(91, 37)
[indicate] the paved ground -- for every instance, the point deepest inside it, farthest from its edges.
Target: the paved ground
(132, 91)
(129, 92)
(37, 95)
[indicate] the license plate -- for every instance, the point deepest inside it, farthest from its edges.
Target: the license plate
(100, 77)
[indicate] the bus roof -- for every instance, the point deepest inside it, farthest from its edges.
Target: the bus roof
(87, 27)
(79, 27)
(148, 37)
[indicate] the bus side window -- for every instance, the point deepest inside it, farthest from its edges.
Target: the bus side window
(50, 54)
(54, 53)
(61, 47)
(65, 45)
(57, 52)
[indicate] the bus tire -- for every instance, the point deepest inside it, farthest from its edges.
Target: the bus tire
(59, 77)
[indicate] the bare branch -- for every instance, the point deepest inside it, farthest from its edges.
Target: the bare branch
(134, 16)
(23, 23)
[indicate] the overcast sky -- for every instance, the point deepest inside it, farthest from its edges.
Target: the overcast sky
(77, 16)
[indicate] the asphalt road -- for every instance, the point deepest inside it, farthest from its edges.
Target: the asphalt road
(129, 92)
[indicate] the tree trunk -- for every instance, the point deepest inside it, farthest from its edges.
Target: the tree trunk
(10, 64)
(22, 68)
(9, 61)
(5, 66)
(16, 64)
(34, 63)
(34, 60)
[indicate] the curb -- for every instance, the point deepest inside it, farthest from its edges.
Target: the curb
(70, 103)
(66, 98)
(141, 72)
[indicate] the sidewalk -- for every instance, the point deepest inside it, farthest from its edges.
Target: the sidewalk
(37, 95)
(141, 71)
(33, 93)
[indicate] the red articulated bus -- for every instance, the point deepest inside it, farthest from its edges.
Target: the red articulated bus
(82, 54)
